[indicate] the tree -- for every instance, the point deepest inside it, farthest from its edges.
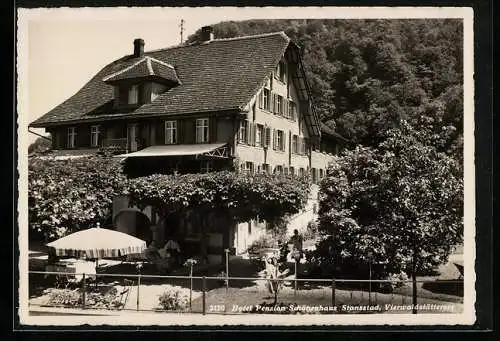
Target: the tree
(239, 196)
(65, 196)
(368, 75)
(402, 200)
(40, 145)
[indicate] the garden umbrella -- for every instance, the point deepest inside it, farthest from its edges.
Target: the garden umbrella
(96, 243)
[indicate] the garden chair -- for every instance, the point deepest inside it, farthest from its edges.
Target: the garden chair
(124, 294)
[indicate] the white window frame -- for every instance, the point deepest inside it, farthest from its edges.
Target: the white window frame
(133, 94)
(243, 131)
(265, 168)
(279, 104)
(280, 140)
(295, 144)
(71, 143)
(249, 167)
(94, 135)
(202, 130)
(259, 135)
(266, 98)
(171, 132)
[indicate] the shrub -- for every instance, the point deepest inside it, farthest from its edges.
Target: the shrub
(265, 241)
(173, 299)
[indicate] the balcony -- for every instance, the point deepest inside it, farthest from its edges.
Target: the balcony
(115, 143)
(114, 146)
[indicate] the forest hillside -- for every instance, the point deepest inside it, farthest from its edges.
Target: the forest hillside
(368, 75)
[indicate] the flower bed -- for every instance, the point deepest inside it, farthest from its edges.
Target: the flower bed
(98, 298)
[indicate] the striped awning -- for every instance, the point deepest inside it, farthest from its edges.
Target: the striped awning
(207, 149)
(95, 243)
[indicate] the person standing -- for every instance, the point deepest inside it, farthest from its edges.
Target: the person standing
(297, 244)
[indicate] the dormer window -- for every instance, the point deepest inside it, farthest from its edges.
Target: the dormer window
(133, 94)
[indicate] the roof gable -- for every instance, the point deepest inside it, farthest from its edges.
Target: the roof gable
(144, 68)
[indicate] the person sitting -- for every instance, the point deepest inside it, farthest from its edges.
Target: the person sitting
(173, 248)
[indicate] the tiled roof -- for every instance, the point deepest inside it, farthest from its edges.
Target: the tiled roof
(222, 74)
(146, 67)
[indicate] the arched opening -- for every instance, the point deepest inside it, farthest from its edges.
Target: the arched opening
(134, 222)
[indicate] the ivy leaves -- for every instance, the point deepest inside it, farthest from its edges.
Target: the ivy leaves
(65, 196)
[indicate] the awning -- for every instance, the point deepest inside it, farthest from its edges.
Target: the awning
(214, 149)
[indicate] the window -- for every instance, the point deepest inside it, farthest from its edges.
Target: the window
(133, 94)
(295, 144)
(170, 132)
(71, 137)
(280, 71)
(265, 168)
(206, 166)
(314, 175)
(321, 174)
(301, 171)
(243, 134)
(285, 170)
(248, 167)
(278, 170)
(279, 103)
(292, 110)
(202, 130)
(281, 140)
(266, 99)
(302, 147)
(258, 135)
(292, 171)
(94, 136)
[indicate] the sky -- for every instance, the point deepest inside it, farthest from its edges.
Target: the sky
(60, 49)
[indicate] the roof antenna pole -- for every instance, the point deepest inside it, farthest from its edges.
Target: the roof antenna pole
(182, 29)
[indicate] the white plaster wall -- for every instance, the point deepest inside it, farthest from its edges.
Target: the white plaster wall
(257, 155)
(299, 221)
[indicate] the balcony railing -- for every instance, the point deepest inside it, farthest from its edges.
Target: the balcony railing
(119, 143)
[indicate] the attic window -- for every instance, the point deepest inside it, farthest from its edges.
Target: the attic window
(133, 94)
(280, 72)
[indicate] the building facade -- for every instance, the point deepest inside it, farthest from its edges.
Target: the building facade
(241, 104)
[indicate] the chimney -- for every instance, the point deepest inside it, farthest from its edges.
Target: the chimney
(138, 47)
(207, 33)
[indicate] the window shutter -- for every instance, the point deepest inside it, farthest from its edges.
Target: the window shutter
(261, 99)
(273, 103)
(249, 134)
(275, 139)
(284, 142)
(254, 132)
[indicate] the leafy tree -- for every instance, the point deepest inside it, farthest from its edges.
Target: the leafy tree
(67, 195)
(368, 75)
(402, 200)
(239, 196)
(40, 145)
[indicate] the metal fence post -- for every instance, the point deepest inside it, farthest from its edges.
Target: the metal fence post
(191, 289)
(227, 269)
(204, 287)
(83, 291)
(138, 286)
(295, 284)
(333, 292)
